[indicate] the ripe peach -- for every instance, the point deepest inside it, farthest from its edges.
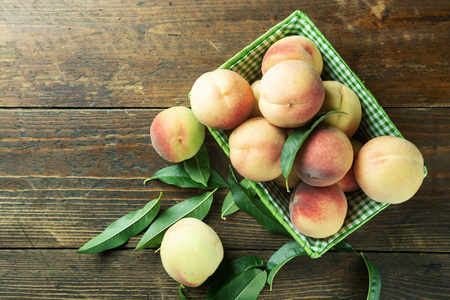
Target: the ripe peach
(221, 99)
(176, 134)
(317, 212)
(293, 47)
(348, 183)
(291, 94)
(325, 157)
(255, 87)
(255, 149)
(191, 251)
(341, 98)
(389, 169)
(293, 179)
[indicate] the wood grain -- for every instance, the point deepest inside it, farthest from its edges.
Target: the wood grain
(149, 53)
(56, 274)
(81, 82)
(67, 174)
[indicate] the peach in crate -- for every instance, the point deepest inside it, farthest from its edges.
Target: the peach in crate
(374, 122)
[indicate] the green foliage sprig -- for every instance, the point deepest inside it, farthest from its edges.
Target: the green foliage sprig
(121, 230)
(253, 207)
(296, 140)
(229, 272)
(195, 207)
(198, 167)
(245, 277)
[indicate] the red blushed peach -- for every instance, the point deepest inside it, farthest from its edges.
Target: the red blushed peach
(291, 94)
(293, 47)
(221, 99)
(317, 212)
(255, 149)
(389, 169)
(191, 251)
(176, 134)
(325, 157)
(348, 183)
(341, 98)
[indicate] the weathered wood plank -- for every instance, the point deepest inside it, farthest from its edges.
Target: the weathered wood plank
(125, 274)
(67, 174)
(116, 143)
(149, 53)
(81, 82)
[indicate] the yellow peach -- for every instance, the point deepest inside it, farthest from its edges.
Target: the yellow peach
(341, 98)
(389, 169)
(221, 99)
(191, 251)
(256, 112)
(255, 149)
(292, 179)
(291, 94)
(293, 47)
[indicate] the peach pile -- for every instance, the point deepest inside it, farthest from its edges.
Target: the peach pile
(331, 162)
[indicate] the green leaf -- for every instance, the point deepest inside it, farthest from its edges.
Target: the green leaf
(228, 206)
(343, 246)
(287, 252)
(198, 167)
(374, 280)
(254, 207)
(246, 286)
(177, 175)
(296, 140)
(232, 270)
(195, 207)
(246, 183)
(180, 293)
(121, 230)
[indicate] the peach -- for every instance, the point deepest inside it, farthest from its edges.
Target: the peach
(291, 94)
(256, 112)
(255, 149)
(325, 157)
(317, 212)
(176, 134)
(348, 183)
(341, 98)
(191, 251)
(221, 99)
(293, 47)
(389, 169)
(292, 179)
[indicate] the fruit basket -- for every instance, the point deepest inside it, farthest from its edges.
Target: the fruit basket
(375, 122)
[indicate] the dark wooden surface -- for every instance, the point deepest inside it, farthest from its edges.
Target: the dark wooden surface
(80, 83)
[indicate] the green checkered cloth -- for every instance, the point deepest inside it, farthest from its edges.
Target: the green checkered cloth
(375, 122)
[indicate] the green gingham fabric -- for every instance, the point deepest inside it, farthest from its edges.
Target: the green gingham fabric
(375, 122)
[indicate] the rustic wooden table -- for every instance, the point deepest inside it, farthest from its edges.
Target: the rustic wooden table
(80, 83)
